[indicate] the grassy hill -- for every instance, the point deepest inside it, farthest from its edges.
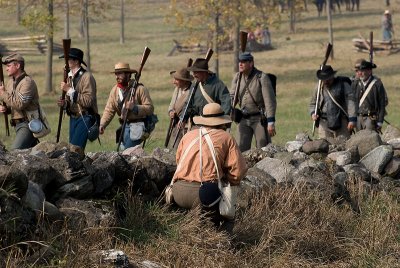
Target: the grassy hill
(295, 60)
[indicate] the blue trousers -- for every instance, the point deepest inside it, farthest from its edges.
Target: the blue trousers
(127, 142)
(78, 131)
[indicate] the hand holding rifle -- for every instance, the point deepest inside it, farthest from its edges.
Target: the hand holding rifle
(173, 117)
(181, 122)
(132, 89)
(315, 115)
(3, 107)
(66, 47)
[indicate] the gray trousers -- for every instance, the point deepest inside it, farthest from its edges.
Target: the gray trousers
(24, 138)
(324, 132)
(365, 122)
(249, 127)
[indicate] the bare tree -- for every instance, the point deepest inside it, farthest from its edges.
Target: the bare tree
(122, 20)
(49, 51)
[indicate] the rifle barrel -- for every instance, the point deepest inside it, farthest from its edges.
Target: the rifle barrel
(7, 127)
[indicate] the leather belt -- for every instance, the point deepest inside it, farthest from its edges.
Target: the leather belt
(121, 121)
(14, 122)
(250, 115)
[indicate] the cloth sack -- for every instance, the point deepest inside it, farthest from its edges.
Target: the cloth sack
(38, 117)
(169, 198)
(227, 204)
(136, 131)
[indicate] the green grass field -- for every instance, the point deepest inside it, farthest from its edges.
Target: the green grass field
(294, 61)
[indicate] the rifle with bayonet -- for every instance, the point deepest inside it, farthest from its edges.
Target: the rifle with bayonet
(131, 93)
(66, 48)
(181, 122)
(3, 103)
(236, 114)
(316, 111)
(173, 120)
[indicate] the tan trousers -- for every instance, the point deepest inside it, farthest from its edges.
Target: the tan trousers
(248, 128)
(324, 132)
(186, 194)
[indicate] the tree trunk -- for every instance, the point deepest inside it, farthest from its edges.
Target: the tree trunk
(122, 37)
(292, 14)
(87, 39)
(215, 48)
(49, 52)
(82, 20)
(330, 30)
(66, 20)
(18, 15)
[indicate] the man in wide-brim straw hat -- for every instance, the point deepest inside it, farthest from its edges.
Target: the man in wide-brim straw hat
(336, 109)
(182, 81)
(210, 89)
(370, 96)
(81, 98)
(196, 166)
(137, 104)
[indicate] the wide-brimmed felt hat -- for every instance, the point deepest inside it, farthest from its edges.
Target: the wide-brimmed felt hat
(75, 53)
(357, 64)
(246, 56)
(365, 65)
(122, 67)
(182, 74)
(199, 65)
(326, 73)
(212, 116)
(13, 57)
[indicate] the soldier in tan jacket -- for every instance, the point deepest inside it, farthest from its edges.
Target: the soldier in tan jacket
(20, 94)
(121, 101)
(257, 103)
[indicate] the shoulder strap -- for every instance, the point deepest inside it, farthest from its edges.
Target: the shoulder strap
(212, 149)
(185, 153)
(205, 95)
(338, 105)
(364, 96)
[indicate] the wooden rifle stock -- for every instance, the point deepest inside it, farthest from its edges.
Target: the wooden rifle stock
(327, 53)
(66, 48)
(191, 94)
(172, 121)
(132, 89)
(3, 103)
(243, 43)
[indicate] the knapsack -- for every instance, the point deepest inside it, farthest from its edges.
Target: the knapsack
(271, 77)
(150, 123)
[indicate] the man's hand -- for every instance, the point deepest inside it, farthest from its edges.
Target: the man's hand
(172, 113)
(2, 89)
(314, 117)
(61, 102)
(64, 86)
(101, 130)
(351, 126)
(3, 109)
(271, 130)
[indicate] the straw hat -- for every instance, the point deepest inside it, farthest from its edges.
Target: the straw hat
(212, 116)
(182, 74)
(387, 11)
(123, 67)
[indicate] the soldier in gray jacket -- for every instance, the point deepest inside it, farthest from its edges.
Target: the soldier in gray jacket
(371, 97)
(336, 108)
(257, 104)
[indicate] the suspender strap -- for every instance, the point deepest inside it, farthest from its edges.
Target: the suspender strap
(338, 105)
(364, 96)
(205, 95)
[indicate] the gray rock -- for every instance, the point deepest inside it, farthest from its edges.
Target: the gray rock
(377, 159)
(34, 197)
(395, 143)
(390, 133)
(302, 137)
(316, 146)
(278, 169)
(392, 169)
(365, 141)
(81, 189)
(293, 146)
(12, 179)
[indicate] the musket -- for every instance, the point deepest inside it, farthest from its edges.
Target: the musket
(66, 47)
(3, 103)
(191, 94)
(243, 42)
(132, 89)
(327, 53)
(172, 121)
